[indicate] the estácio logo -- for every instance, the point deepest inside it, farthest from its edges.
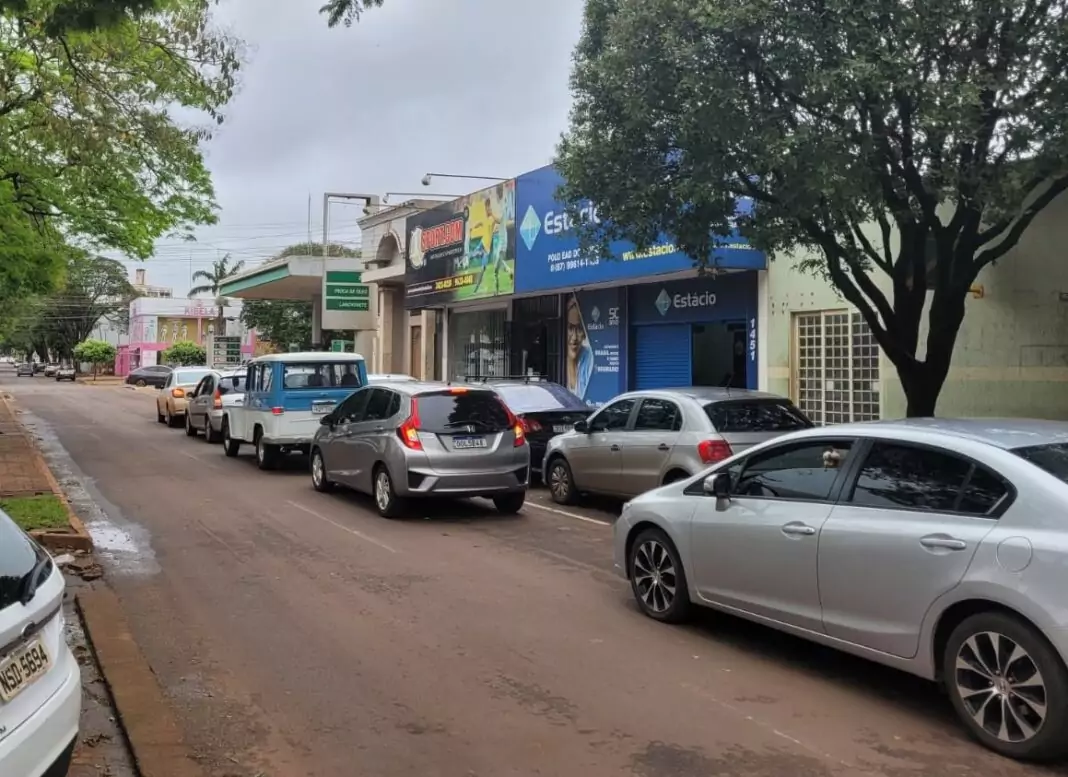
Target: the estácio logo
(691, 299)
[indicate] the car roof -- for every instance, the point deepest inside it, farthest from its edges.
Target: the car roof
(1006, 433)
(413, 387)
(711, 393)
(310, 356)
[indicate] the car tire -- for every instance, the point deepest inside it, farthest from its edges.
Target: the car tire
(140, 383)
(561, 482)
(320, 482)
(190, 430)
(266, 455)
(172, 421)
(210, 435)
(160, 418)
(387, 502)
(510, 504)
(657, 577)
(979, 702)
(231, 447)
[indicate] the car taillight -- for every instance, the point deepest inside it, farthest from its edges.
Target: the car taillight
(278, 410)
(216, 399)
(529, 425)
(409, 430)
(714, 450)
(177, 393)
(518, 425)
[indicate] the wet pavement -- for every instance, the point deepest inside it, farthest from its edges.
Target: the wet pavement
(297, 633)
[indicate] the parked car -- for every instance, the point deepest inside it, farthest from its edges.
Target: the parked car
(66, 373)
(50, 370)
(388, 377)
(24, 370)
(152, 375)
(645, 439)
(398, 441)
(37, 367)
(934, 546)
(286, 395)
(40, 682)
(172, 400)
(216, 392)
(545, 409)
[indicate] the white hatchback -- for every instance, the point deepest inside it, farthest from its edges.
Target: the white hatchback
(40, 682)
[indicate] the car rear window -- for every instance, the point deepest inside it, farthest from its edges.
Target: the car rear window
(183, 377)
(756, 415)
(446, 412)
(1052, 458)
(540, 398)
(321, 375)
(17, 559)
(230, 383)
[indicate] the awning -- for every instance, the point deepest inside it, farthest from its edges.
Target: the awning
(298, 278)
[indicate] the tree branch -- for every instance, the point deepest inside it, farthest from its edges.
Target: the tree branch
(1012, 234)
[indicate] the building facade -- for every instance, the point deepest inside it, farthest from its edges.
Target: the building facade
(157, 323)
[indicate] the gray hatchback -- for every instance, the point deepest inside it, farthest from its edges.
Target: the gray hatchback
(410, 439)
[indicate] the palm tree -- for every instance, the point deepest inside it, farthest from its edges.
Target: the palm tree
(213, 280)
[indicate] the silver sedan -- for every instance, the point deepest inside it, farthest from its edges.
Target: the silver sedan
(935, 546)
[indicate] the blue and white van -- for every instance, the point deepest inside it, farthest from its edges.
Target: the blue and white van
(286, 395)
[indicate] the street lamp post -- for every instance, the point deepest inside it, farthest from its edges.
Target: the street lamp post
(431, 176)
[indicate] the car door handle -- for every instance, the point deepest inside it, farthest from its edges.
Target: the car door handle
(614, 448)
(943, 542)
(380, 428)
(663, 447)
(798, 529)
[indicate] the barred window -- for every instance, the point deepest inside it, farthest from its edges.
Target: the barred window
(836, 375)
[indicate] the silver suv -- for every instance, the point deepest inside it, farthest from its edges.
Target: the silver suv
(409, 439)
(645, 439)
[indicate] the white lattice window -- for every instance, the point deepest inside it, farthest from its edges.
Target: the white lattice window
(836, 376)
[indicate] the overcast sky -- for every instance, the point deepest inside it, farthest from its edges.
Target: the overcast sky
(472, 87)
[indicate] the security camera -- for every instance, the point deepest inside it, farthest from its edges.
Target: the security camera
(426, 180)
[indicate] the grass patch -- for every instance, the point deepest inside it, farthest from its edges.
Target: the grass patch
(37, 512)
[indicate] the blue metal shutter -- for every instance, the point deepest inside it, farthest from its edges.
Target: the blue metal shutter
(662, 356)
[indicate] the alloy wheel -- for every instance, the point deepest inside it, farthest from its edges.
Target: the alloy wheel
(382, 489)
(317, 469)
(655, 577)
(1001, 687)
(558, 481)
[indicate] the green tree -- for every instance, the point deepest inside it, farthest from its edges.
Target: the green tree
(213, 279)
(912, 141)
(96, 353)
(184, 353)
(346, 11)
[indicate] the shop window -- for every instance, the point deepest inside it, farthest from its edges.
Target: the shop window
(478, 344)
(536, 337)
(836, 367)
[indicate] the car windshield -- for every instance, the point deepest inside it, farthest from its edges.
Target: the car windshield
(189, 377)
(448, 412)
(1053, 458)
(539, 398)
(756, 415)
(18, 558)
(321, 375)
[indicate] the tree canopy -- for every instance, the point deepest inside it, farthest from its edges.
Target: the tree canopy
(184, 353)
(346, 11)
(906, 145)
(95, 352)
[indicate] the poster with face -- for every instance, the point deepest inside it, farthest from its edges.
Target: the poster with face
(592, 367)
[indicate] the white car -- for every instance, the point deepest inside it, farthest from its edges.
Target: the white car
(40, 682)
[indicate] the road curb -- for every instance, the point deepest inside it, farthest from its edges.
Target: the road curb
(145, 716)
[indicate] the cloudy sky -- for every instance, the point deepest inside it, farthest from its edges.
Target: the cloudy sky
(471, 87)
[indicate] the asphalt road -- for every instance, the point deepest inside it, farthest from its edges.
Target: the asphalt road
(297, 633)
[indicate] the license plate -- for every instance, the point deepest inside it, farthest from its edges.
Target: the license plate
(468, 442)
(22, 668)
(322, 407)
(561, 428)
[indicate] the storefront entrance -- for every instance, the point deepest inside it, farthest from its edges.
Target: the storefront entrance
(478, 344)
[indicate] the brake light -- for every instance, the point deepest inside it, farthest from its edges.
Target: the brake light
(457, 390)
(714, 450)
(216, 399)
(409, 430)
(277, 410)
(518, 425)
(177, 393)
(529, 425)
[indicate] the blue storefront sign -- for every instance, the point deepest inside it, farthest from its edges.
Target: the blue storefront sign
(548, 254)
(594, 344)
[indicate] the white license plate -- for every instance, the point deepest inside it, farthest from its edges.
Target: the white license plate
(322, 408)
(468, 442)
(561, 428)
(22, 668)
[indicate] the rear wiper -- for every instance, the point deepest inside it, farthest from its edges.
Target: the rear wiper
(475, 423)
(32, 581)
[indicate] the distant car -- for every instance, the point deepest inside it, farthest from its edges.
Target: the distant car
(24, 370)
(208, 401)
(398, 441)
(37, 367)
(172, 400)
(645, 439)
(545, 409)
(40, 682)
(152, 375)
(66, 373)
(50, 370)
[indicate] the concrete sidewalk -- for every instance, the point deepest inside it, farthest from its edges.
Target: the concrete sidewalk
(21, 470)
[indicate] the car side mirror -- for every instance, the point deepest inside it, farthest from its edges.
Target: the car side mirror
(327, 420)
(582, 427)
(718, 484)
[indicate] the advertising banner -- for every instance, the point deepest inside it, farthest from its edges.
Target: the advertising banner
(731, 297)
(548, 254)
(173, 330)
(463, 249)
(594, 353)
